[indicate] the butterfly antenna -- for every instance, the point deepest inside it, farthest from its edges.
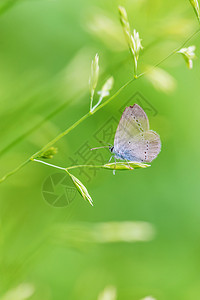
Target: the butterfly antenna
(99, 147)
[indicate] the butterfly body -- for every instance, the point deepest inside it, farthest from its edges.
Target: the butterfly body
(125, 156)
(134, 141)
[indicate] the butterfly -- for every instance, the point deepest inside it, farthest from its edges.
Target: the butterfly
(134, 141)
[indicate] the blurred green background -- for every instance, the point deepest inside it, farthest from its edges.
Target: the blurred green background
(46, 48)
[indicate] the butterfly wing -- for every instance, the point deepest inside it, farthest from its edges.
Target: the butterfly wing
(133, 122)
(133, 139)
(144, 147)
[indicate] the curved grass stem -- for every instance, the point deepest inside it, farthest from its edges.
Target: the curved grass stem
(14, 170)
(47, 164)
(59, 136)
(68, 168)
(111, 166)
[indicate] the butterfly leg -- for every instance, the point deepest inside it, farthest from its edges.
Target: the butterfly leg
(115, 162)
(129, 165)
(115, 165)
(110, 159)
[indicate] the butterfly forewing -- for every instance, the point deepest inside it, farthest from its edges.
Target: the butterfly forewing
(133, 121)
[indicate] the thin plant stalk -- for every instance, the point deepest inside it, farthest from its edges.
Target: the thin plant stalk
(47, 164)
(91, 101)
(96, 105)
(90, 166)
(135, 68)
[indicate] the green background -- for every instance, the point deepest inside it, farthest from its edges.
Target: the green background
(46, 48)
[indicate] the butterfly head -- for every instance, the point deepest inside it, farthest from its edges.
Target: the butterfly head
(111, 148)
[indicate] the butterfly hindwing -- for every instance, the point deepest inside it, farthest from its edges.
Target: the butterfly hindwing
(144, 147)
